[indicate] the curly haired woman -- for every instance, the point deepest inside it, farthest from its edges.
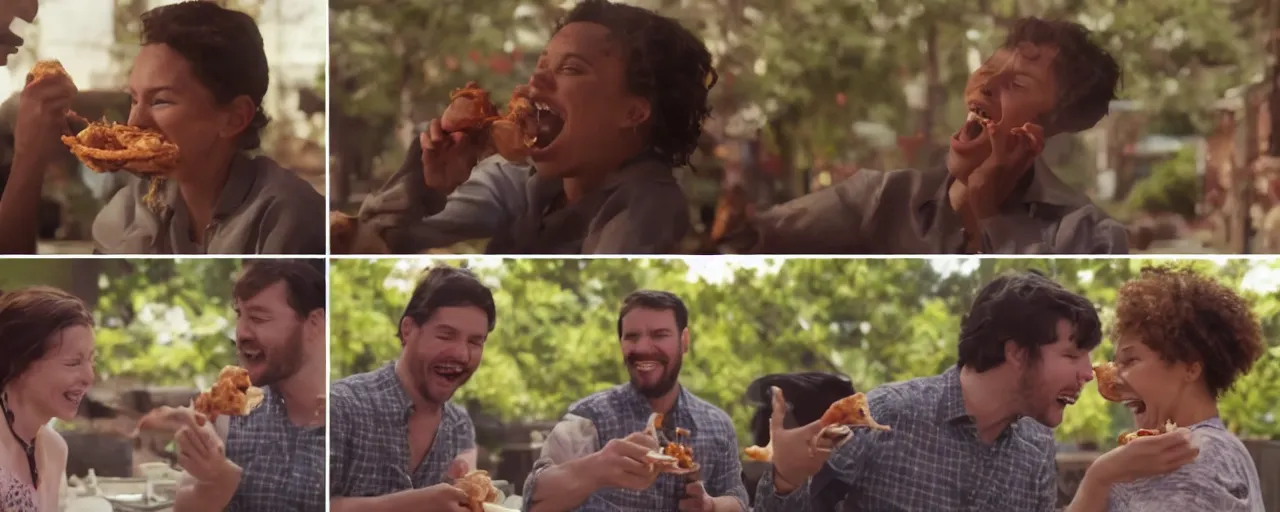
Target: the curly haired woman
(46, 337)
(1182, 340)
(625, 91)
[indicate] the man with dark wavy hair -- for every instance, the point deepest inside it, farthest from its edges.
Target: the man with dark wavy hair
(994, 195)
(976, 437)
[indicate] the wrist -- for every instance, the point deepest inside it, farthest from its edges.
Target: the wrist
(228, 473)
(585, 470)
(783, 484)
(1098, 474)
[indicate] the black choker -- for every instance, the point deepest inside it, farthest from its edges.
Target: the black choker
(28, 448)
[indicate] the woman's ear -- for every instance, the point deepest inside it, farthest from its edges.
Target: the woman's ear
(240, 116)
(637, 112)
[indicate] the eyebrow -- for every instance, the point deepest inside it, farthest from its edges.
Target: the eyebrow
(568, 55)
(152, 90)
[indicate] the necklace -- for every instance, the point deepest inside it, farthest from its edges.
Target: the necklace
(28, 448)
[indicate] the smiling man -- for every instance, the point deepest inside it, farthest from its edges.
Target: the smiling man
(594, 458)
(273, 458)
(976, 437)
(994, 195)
(372, 465)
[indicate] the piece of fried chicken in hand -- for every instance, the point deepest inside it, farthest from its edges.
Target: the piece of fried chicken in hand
(112, 147)
(232, 395)
(478, 487)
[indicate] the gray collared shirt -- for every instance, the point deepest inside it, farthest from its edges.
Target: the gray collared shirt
(933, 459)
(263, 209)
(641, 209)
(908, 212)
(282, 464)
(1222, 479)
(620, 411)
(369, 437)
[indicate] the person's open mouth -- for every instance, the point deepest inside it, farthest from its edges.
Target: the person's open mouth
(1138, 408)
(1068, 398)
(74, 397)
(252, 355)
(972, 132)
(548, 122)
(449, 372)
(647, 367)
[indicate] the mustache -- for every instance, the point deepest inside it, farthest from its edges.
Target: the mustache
(243, 343)
(639, 358)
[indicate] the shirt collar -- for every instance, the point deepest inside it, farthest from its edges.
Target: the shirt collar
(242, 174)
(1040, 186)
(951, 397)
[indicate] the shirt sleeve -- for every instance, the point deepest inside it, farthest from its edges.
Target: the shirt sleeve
(1047, 484)
(572, 438)
(845, 465)
(340, 453)
(830, 221)
(412, 218)
(465, 431)
(728, 481)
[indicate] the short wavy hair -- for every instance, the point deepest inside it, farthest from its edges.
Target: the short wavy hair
(665, 63)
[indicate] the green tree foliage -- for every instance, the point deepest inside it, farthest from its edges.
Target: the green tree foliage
(162, 322)
(876, 320)
(1172, 187)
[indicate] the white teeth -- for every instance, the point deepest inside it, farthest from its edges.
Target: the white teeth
(973, 116)
(449, 368)
(1067, 399)
(646, 366)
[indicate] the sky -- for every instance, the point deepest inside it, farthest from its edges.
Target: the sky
(294, 33)
(1263, 278)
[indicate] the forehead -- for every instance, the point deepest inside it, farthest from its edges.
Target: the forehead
(1064, 335)
(590, 40)
(645, 318)
(158, 65)
(275, 296)
(463, 318)
(73, 340)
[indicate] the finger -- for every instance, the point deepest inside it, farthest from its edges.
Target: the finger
(643, 439)
(999, 138)
(634, 450)
(688, 504)
(435, 133)
(188, 444)
(811, 430)
(695, 489)
(424, 140)
(777, 419)
(1037, 134)
(458, 469)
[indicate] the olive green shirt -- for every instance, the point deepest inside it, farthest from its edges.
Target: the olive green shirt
(263, 209)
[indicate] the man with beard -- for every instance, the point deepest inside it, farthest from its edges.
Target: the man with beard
(978, 436)
(41, 120)
(372, 466)
(273, 458)
(594, 458)
(994, 195)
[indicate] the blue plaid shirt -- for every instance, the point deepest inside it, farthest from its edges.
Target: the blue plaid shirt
(369, 437)
(282, 464)
(933, 459)
(620, 411)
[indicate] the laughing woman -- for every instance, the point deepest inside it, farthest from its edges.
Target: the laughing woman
(46, 336)
(199, 78)
(1182, 340)
(625, 92)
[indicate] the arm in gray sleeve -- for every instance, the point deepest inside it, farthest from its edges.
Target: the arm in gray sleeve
(572, 438)
(413, 218)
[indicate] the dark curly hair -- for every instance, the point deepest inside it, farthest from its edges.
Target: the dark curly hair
(665, 63)
(1088, 76)
(1188, 317)
(28, 318)
(1025, 308)
(224, 48)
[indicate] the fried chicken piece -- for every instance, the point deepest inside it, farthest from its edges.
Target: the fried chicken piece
(111, 147)
(511, 134)
(760, 454)
(1108, 376)
(232, 395)
(469, 109)
(478, 487)
(46, 68)
(1127, 437)
(840, 419)
(674, 457)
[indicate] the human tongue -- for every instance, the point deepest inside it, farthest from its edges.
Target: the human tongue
(547, 125)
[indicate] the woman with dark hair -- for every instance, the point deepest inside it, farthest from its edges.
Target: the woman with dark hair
(46, 337)
(622, 95)
(1182, 340)
(200, 78)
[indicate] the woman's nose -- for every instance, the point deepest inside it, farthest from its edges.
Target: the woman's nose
(140, 116)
